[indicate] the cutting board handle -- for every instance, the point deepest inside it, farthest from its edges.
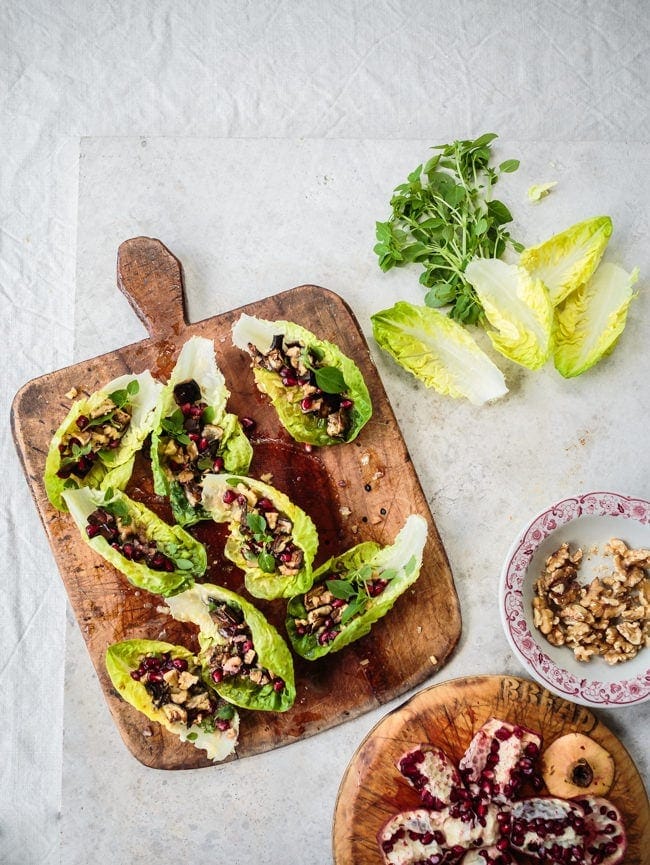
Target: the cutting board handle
(151, 278)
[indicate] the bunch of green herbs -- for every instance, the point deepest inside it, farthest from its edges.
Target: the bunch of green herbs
(443, 217)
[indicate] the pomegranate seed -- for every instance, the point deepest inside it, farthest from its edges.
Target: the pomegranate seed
(127, 551)
(194, 437)
(203, 444)
(136, 675)
(82, 421)
(92, 531)
(218, 464)
(196, 411)
(186, 408)
(216, 675)
(229, 496)
(180, 664)
(278, 685)
(247, 423)
(265, 504)
(222, 724)
(155, 676)
(306, 403)
(346, 403)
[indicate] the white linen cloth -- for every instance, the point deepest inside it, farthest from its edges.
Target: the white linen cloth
(391, 70)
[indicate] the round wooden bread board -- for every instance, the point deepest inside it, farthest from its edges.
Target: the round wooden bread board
(447, 715)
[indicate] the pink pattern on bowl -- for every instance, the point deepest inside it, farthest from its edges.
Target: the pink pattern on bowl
(529, 644)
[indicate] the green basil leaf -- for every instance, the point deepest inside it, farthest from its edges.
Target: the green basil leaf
(330, 379)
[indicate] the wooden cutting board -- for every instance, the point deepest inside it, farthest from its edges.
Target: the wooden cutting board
(447, 715)
(354, 492)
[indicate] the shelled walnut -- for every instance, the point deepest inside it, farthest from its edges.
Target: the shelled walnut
(609, 617)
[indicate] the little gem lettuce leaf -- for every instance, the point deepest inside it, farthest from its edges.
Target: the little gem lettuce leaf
(589, 322)
(439, 351)
(566, 261)
(518, 306)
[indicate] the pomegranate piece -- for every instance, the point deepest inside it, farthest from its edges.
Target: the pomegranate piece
(415, 837)
(498, 759)
(472, 828)
(488, 856)
(433, 774)
(549, 829)
(606, 838)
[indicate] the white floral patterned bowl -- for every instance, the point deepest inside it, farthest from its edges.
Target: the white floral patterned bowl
(589, 521)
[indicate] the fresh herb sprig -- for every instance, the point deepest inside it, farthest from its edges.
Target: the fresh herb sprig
(328, 378)
(354, 589)
(121, 398)
(173, 426)
(258, 527)
(442, 217)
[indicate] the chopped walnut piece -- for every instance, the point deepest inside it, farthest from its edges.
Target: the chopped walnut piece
(609, 617)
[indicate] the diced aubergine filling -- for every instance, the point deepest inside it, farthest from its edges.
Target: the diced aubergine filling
(100, 430)
(237, 656)
(178, 690)
(298, 377)
(189, 462)
(267, 532)
(126, 540)
(324, 611)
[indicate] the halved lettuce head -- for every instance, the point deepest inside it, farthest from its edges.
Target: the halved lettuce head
(258, 667)
(187, 557)
(333, 373)
(81, 439)
(217, 730)
(178, 463)
(517, 305)
(589, 322)
(352, 591)
(438, 351)
(567, 260)
(271, 539)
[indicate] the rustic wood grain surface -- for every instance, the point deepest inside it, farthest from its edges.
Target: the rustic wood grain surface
(448, 715)
(372, 478)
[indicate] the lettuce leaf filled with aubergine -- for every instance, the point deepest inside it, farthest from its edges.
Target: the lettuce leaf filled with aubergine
(352, 591)
(165, 683)
(101, 433)
(243, 656)
(193, 433)
(319, 394)
(272, 540)
(152, 555)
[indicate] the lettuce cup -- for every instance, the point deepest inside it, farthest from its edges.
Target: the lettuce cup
(151, 554)
(166, 684)
(193, 433)
(101, 433)
(319, 394)
(272, 540)
(352, 591)
(243, 656)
